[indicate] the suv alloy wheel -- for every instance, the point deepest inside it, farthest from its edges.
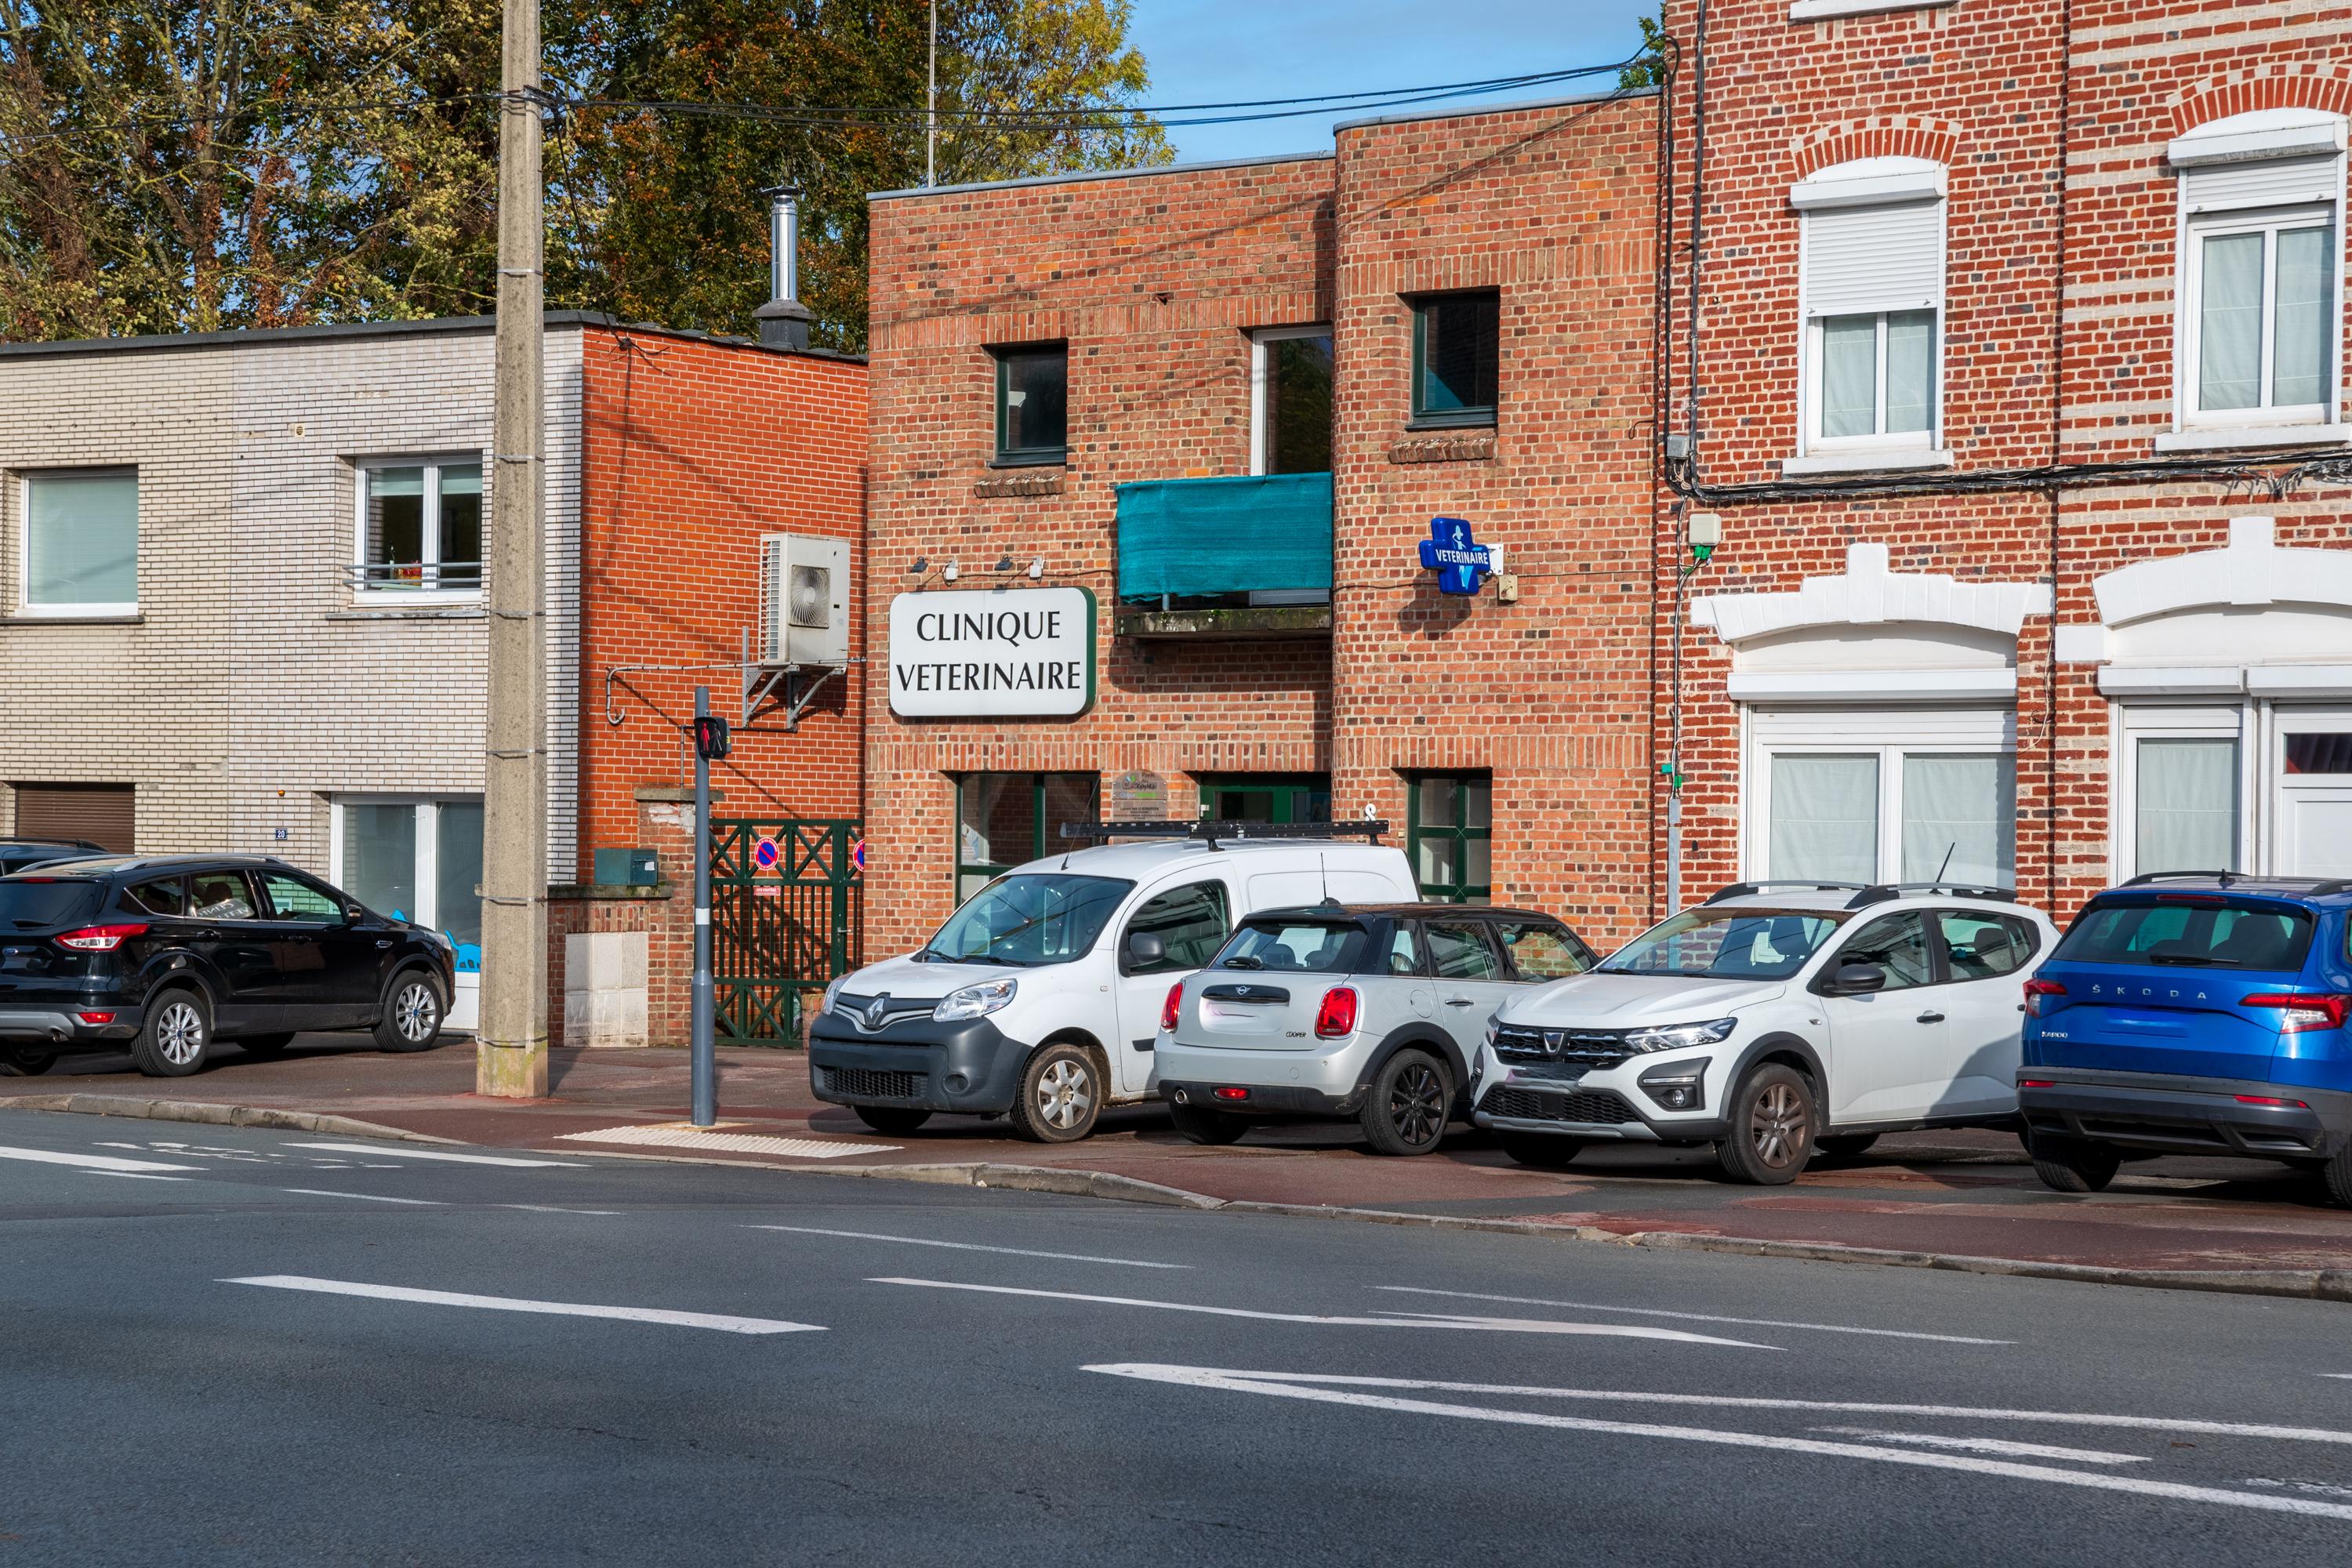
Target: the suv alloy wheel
(1773, 1120)
(178, 1034)
(412, 1014)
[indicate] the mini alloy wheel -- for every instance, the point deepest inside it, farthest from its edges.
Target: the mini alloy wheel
(411, 1014)
(1773, 1121)
(1406, 1112)
(1060, 1096)
(177, 1035)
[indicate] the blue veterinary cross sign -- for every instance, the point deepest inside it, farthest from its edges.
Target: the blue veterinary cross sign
(1461, 564)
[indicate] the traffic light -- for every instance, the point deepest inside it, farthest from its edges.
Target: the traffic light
(711, 737)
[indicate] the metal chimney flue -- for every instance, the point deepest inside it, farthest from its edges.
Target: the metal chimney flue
(784, 320)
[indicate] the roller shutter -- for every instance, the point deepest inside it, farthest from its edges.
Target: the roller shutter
(104, 814)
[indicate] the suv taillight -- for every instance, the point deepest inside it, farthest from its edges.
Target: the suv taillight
(1170, 1009)
(1336, 1018)
(2035, 990)
(99, 939)
(2303, 1013)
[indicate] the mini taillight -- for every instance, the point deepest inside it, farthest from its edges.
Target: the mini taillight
(95, 1017)
(2267, 1099)
(1228, 1091)
(99, 939)
(2303, 1013)
(1336, 1019)
(2035, 990)
(1168, 1008)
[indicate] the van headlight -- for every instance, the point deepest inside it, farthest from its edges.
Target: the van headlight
(1674, 1036)
(832, 994)
(974, 1001)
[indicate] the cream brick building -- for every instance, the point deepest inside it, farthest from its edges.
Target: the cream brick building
(261, 690)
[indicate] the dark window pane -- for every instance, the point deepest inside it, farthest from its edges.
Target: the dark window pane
(1459, 353)
(2319, 753)
(1069, 797)
(1460, 952)
(166, 896)
(997, 819)
(1033, 401)
(1191, 920)
(396, 527)
(461, 526)
(2210, 933)
(1299, 406)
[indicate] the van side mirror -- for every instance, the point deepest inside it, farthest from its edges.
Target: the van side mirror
(1145, 947)
(1857, 980)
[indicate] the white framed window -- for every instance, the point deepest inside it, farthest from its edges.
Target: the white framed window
(1290, 400)
(1879, 795)
(78, 549)
(2182, 789)
(1871, 292)
(417, 532)
(2259, 328)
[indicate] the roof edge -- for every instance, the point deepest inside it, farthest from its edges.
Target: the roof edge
(1079, 175)
(1518, 106)
(166, 342)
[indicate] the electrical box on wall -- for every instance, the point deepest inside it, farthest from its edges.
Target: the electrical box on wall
(803, 600)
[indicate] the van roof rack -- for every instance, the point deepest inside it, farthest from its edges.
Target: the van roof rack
(1210, 832)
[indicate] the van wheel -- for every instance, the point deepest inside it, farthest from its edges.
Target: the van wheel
(263, 1044)
(1540, 1151)
(28, 1061)
(895, 1120)
(177, 1035)
(1772, 1122)
(1405, 1112)
(1059, 1096)
(2066, 1165)
(1204, 1126)
(1847, 1145)
(411, 1020)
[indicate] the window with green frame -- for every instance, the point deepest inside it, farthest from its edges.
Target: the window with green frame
(1003, 820)
(1458, 358)
(1265, 797)
(1449, 826)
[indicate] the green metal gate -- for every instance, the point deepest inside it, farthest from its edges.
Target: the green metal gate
(787, 917)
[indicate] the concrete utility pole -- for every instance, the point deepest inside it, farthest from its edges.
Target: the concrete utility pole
(511, 1059)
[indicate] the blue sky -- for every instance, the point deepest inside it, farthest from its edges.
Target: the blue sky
(1210, 50)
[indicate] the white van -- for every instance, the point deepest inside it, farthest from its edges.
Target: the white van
(1041, 997)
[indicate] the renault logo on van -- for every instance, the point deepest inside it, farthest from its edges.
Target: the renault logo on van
(877, 1012)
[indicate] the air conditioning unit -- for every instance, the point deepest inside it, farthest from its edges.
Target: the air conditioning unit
(803, 600)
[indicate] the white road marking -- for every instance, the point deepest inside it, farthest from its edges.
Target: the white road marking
(1292, 1385)
(364, 1197)
(2343, 1374)
(89, 1161)
(2316, 1488)
(136, 1177)
(1838, 1408)
(724, 1324)
(1499, 1325)
(968, 1247)
(407, 1153)
(1692, 1316)
(549, 1208)
(1991, 1445)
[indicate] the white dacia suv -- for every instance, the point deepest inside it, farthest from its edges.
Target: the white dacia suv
(1774, 1019)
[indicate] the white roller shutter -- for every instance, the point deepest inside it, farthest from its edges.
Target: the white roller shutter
(2260, 183)
(1863, 259)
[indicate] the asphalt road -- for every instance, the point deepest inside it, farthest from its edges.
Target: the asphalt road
(232, 1346)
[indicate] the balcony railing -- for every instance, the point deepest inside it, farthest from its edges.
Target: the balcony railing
(414, 577)
(1238, 556)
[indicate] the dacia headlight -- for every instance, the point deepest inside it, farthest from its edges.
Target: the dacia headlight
(1493, 1028)
(974, 1001)
(831, 993)
(1674, 1036)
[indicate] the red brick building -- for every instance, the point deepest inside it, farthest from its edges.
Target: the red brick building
(1194, 424)
(1991, 307)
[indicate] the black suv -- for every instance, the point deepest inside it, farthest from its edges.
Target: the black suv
(165, 955)
(24, 854)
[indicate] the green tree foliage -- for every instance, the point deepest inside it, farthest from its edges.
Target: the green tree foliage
(1648, 68)
(187, 165)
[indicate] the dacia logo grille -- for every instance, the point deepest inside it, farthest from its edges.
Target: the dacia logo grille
(1553, 1040)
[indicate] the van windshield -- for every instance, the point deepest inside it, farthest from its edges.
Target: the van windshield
(1726, 943)
(2191, 931)
(1025, 920)
(39, 903)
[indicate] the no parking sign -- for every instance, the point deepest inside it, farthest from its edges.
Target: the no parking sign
(766, 854)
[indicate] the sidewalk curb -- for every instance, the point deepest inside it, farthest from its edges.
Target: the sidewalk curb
(212, 1114)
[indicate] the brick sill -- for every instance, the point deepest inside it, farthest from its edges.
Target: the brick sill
(1257, 623)
(416, 613)
(73, 620)
(1058, 460)
(2253, 438)
(1827, 10)
(1884, 460)
(594, 891)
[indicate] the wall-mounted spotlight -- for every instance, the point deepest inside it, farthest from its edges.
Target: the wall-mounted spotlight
(949, 573)
(918, 565)
(1037, 569)
(1005, 564)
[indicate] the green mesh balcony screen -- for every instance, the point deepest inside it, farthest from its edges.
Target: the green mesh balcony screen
(1189, 537)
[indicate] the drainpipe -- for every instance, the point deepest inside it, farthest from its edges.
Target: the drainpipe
(784, 320)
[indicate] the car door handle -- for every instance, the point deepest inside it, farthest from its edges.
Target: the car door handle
(383, 942)
(1460, 1002)
(1931, 1018)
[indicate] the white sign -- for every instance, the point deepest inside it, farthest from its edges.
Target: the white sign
(1006, 652)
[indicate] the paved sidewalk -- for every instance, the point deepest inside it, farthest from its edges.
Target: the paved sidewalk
(1967, 1194)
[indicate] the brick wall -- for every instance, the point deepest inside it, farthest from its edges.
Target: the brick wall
(2055, 146)
(693, 451)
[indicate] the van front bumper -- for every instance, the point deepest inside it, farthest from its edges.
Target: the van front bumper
(970, 1068)
(2162, 1113)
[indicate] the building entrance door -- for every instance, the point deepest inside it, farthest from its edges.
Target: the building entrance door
(2314, 795)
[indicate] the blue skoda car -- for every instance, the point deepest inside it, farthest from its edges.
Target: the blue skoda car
(2196, 1013)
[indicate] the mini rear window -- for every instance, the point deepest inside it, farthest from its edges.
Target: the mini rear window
(2191, 931)
(36, 904)
(1315, 947)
